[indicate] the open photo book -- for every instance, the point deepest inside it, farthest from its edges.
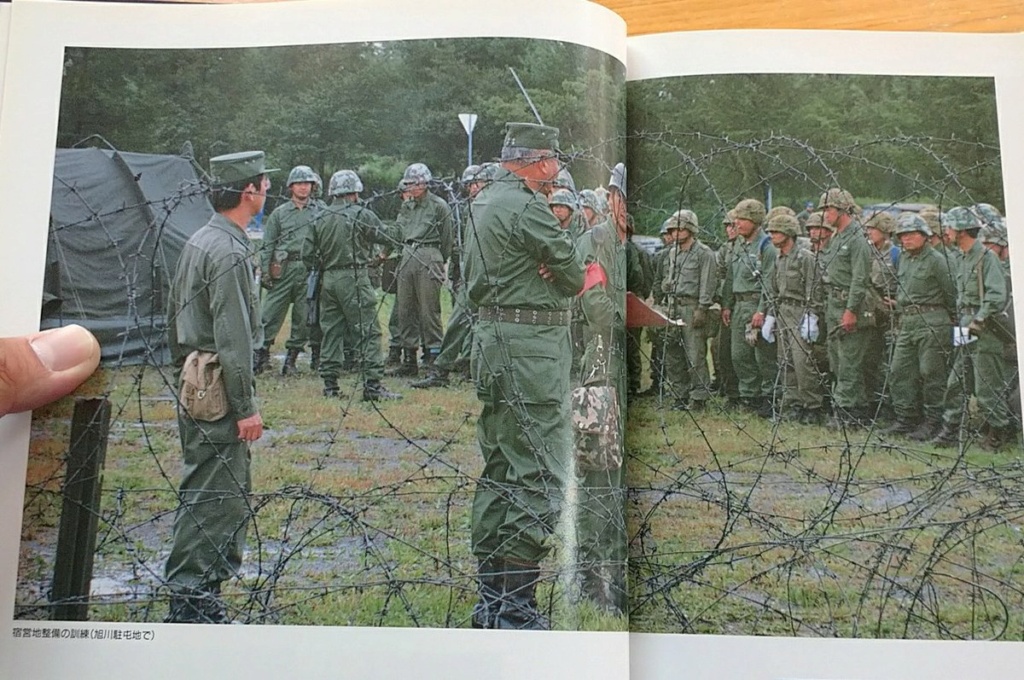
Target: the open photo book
(452, 339)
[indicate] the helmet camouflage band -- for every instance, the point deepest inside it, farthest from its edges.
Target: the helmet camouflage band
(785, 224)
(469, 175)
(909, 222)
(301, 173)
(682, 219)
(750, 209)
(960, 219)
(417, 173)
(345, 182)
(882, 221)
(563, 197)
(841, 199)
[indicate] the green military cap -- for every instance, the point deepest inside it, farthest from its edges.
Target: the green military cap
(910, 222)
(786, 224)
(530, 136)
(233, 167)
(749, 209)
(564, 197)
(882, 221)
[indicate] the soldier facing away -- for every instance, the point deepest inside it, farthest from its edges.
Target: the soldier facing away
(214, 318)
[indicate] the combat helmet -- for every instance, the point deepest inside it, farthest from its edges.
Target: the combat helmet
(841, 199)
(960, 219)
(987, 213)
(785, 224)
(882, 221)
(909, 222)
(816, 220)
(345, 182)
(318, 185)
(470, 174)
(750, 209)
(565, 181)
(618, 178)
(417, 173)
(682, 219)
(564, 197)
(991, 233)
(779, 210)
(301, 173)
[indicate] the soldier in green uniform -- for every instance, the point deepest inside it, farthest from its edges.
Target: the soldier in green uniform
(455, 345)
(593, 208)
(214, 315)
(885, 258)
(341, 247)
(725, 376)
(522, 273)
(639, 279)
(284, 275)
(563, 205)
(795, 291)
(689, 286)
(428, 233)
(316, 334)
(668, 232)
(978, 365)
(601, 523)
(848, 271)
(925, 304)
(743, 308)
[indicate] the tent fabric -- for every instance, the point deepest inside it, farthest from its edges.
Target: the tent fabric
(118, 221)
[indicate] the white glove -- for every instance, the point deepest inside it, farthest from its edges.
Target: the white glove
(809, 327)
(768, 329)
(962, 336)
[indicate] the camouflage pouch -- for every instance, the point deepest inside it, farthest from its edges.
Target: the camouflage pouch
(596, 428)
(203, 395)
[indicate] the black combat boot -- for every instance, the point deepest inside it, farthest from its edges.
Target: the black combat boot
(490, 580)
(430, 355)
(374, 391)
(202, 605)
(394, 357)
(331, 389)
(289, 362)
(436, 377)
(409, 367)
(518, 608)
(260, 360)
(314, 357)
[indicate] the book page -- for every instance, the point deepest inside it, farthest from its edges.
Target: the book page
(362, 551)
(820, 458)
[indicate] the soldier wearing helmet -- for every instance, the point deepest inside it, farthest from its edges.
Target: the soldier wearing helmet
(284, 275)
(796, 301)
(689, 286)
(563, 205)
(743, 308)
(725, 375)
(981, 296)
(341, 246)
(885, 257)
(925, 303)
(428, 233)
(849, 310)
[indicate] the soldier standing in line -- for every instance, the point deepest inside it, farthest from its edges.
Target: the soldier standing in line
(993, 237)
(214, 316)
(669, 231)
(885, 258)
(689, 287)
(797, 303)
(284, 275)
(602, 529)
(316, 334)
(593, 208)
(522, 274)
(563, 205)
(848, 270)
(743, 308)
(428, 233)
(925, 301)
(340, 247)
(978, 366)
(725, 376)
(639, 279)
(455, 345)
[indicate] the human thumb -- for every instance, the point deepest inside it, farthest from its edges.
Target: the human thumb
(39, 368)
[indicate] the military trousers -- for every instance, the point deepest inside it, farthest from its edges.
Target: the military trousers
(847, 353)
(920, 366)
(802, 383)
(686, 357)
(525, 435)
(348, 316)
(420, 276)
(979, 369)
(456, 345)
(213, 512)
(290, 289)
(756, 367)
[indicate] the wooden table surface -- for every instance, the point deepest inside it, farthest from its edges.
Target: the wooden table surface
(656, 16)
